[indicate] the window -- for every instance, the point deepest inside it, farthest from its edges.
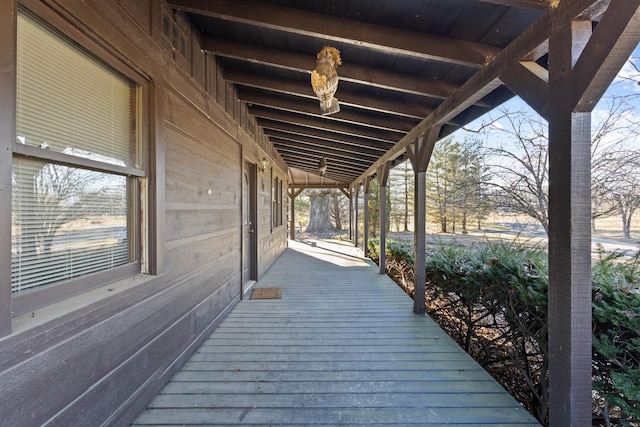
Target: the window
(276, 199)
(74, 168)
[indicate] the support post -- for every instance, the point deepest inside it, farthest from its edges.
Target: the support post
(383, 178)
(582, 65)
(293, 193)
(350, 213)
(356, 217)
(569, 236)
(419, 152)
(365, 232)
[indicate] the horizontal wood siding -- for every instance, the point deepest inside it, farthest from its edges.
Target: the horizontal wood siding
(100, 357)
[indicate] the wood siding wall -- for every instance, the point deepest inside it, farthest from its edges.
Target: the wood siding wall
(98, 359)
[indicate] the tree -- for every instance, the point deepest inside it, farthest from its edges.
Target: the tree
(454, 183)
(339, 209)
(520, 164)
(518, 156)
(401, 184)
(319, 211)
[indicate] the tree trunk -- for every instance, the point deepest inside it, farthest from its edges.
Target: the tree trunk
(626, 225)
(464, 222)
(319, 212)
(335, 202)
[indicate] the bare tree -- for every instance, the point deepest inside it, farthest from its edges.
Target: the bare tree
(518, 157)
(520, 164)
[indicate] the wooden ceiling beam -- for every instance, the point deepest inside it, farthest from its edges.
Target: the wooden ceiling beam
(392, 41)
(611, 44)
(487, 78)
(313, 142)
(523, 4)
(303, 148)
(324, 135)
(356, 100)
(350, 72)
(324, 124)
(333, 173)
(310, 107)
(315, 156)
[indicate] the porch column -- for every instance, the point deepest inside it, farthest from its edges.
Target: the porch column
(569, 237)
(355, 217)
(419, 152)
(293, 193)
(347, 194)
(383, 177)
(350, 213)
(365, 233)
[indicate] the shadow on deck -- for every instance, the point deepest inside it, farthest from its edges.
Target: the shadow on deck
(341, 347)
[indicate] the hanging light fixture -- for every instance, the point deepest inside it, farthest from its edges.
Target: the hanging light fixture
(322, 166)
(324, 79)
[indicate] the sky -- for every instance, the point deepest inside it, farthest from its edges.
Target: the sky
(627, 82)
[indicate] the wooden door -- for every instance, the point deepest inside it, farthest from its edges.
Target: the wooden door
(249, 230)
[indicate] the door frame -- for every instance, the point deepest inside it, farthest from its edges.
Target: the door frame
(249, 258)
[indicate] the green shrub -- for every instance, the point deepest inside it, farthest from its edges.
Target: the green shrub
(492, 299)
(616, 337)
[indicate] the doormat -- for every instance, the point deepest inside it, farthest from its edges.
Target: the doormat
(266, 293)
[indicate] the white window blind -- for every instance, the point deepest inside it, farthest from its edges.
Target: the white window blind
(68, 221)
(67, 101)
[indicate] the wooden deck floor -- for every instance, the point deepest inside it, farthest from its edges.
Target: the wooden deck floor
(341, 347)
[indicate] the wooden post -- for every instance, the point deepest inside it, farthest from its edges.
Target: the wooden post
(7, 137)
(419, 153)
(383, 177)
(582, 65)
(569, 236)
(292, 193)
(355, 217)
(365, 233)
(350, 213)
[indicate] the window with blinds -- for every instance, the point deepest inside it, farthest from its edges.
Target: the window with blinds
(69, 219)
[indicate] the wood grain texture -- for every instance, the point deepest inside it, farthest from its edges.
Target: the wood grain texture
(342, 346)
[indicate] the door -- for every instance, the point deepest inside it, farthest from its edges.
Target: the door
(249, 231)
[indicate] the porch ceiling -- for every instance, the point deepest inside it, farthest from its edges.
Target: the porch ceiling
(406, 66)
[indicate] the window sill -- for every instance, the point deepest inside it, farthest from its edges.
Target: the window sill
(78, 305)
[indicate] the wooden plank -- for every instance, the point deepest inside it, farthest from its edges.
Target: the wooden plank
(525, 4)
(334, 400)
(321, 356)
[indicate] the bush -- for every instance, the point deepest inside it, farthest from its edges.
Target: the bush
(492, 299)
(616, 338)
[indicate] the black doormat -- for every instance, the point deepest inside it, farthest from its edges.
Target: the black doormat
(266, 293)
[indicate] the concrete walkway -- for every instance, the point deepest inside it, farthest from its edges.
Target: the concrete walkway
(340, 347)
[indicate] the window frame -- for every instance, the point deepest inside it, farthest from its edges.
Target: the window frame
(145, 193)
